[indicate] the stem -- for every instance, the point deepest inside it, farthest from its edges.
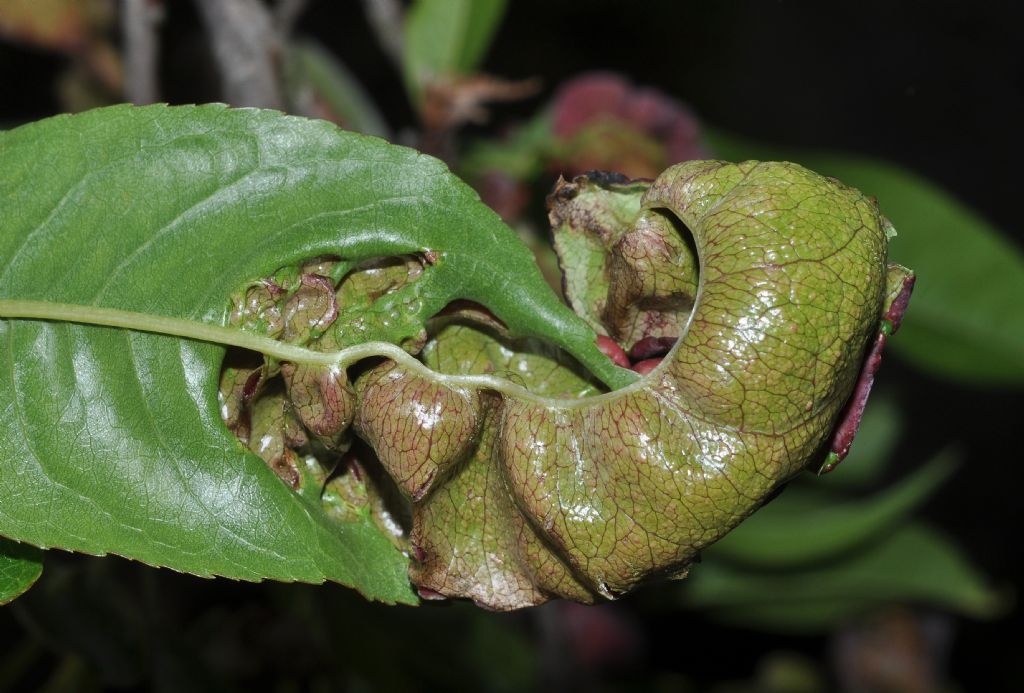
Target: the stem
(244, 45)
(286, 14)
(139, 20)
(385, 18)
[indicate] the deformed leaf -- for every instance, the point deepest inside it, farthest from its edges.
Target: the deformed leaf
(150, 219)
(913, 564)
(20, 566)
(627, 270)
(587, 219)
(589, 497)
(461, 348)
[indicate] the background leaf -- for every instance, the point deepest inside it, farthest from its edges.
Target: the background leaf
(446, 38)
(805, 525)
(912, 564)
(966, 319)
(20, 566)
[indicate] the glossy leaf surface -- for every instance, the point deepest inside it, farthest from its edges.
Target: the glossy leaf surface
(912, 564)
(524, 498)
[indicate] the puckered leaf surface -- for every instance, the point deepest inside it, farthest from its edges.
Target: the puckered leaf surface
(113, 440)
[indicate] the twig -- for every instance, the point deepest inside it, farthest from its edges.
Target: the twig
(386, 18)
(286, 13)
(246, 46)
(139, 20)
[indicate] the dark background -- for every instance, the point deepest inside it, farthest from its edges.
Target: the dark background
(937, 87)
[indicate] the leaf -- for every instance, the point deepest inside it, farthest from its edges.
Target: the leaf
(516, 497)
(587, 220)
(111, 440)
(803, 525)
(462, 347)
(967, 322)
(20, 566)
(913, 564)
(447, 38)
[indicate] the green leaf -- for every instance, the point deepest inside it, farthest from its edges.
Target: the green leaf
(805, 525)
(913, 564)
(111, 440)
(584, 498)
(515, 497)
(20, 566)
(966, 320)
(446, 38)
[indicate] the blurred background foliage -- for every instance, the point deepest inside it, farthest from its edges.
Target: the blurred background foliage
(896, 572)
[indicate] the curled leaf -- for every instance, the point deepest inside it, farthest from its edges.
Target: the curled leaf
(587, 498)
(518, 489)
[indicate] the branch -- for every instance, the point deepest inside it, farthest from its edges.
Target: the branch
(246, 46)
(286, 14)
(386, 19)
(139, 20)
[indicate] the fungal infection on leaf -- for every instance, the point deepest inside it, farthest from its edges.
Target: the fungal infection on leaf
(420, 396)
